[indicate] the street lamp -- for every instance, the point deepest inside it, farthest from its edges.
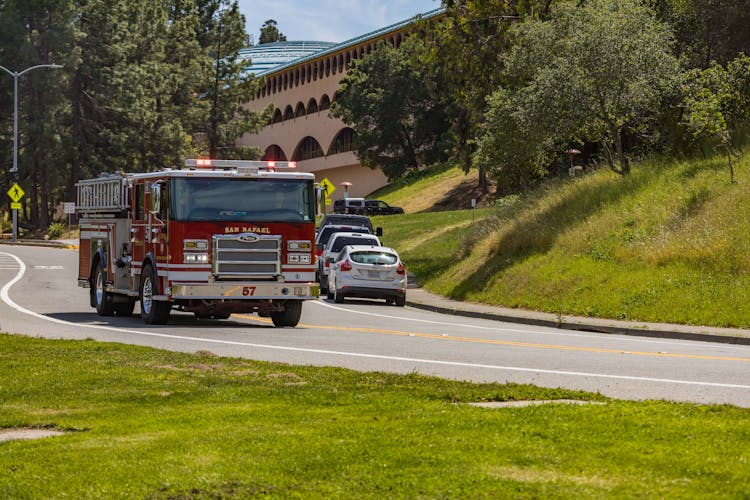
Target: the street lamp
(14, 170)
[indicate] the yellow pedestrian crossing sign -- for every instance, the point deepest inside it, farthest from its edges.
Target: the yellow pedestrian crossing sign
(16, 193)
(328, 187)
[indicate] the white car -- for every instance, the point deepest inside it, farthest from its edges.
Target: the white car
(373, 272)
(333, 247)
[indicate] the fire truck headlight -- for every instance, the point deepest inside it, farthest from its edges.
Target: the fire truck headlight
(195, 258)
(195, 245)
(299, 245)
(298, 258)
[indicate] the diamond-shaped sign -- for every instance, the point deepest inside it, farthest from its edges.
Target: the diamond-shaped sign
(16, 193)
(328, 187)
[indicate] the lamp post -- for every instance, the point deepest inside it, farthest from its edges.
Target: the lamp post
(14, 170)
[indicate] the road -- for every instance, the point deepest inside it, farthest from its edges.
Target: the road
(39, 297)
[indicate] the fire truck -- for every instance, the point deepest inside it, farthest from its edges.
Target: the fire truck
(215, 238)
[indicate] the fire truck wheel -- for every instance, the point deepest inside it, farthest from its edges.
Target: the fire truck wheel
(290, 315)
(101, 299)
(153, 312)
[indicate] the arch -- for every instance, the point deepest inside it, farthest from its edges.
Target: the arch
(341, 62)
(274, 153)
(277, 116)
(312, 106)
(343, 142)
(288, 113)
(334, 65)
(307, 149)
(302, 75)
(309, 73)
(315, 71)
(299, 110)
(325, 102)
(328, 67)
(296, 77)
(348, 60)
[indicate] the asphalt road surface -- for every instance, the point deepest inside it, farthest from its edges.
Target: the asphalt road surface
(39, 296)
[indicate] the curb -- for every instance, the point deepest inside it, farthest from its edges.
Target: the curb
(586, 327)
(40, 243)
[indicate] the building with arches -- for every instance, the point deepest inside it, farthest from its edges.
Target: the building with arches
(301, 80)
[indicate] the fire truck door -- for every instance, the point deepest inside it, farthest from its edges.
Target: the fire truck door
(156, 225)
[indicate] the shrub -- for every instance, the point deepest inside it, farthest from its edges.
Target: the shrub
(56, 229)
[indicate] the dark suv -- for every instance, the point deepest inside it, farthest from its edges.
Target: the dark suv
(364, 207)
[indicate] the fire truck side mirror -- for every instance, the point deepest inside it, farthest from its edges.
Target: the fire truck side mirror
(155, 198)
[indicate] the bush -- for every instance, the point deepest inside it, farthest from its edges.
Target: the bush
(56, 229)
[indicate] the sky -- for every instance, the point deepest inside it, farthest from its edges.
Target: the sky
(329, 20)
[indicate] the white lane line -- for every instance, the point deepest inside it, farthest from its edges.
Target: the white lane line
(5, 298)
(549, 331)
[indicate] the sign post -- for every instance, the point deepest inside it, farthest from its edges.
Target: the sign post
(16, 193)
(69, 208)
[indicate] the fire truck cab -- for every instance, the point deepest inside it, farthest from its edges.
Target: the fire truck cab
(216, 238)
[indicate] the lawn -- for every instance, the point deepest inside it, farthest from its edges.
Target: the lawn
(145, 423)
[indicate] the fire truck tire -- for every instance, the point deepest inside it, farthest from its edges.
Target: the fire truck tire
(153, 312)
(289, 316)
(101, 298)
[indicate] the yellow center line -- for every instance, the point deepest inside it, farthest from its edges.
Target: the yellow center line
(436, 336)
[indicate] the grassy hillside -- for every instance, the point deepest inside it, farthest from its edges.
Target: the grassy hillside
(669, 243)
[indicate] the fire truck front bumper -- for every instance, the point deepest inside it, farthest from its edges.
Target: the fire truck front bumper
(245, 291)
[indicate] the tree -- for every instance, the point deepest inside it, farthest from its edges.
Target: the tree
(222, 34)
(464, 52)
(269, 33)
(398, 125)
(39, 33)
(599, 69)
(718, 104)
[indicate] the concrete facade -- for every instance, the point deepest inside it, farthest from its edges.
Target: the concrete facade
(301, 129)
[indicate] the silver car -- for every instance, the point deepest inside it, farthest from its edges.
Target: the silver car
(372, 272)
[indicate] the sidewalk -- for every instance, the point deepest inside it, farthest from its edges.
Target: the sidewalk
(422, 299)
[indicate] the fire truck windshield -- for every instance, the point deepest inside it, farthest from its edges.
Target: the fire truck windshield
(242, 200)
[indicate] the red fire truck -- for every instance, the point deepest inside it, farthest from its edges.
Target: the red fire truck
(216, 238)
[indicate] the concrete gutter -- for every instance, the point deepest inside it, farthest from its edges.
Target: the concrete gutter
(422, 299)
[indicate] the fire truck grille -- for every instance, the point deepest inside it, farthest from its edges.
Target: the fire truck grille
(246, 255)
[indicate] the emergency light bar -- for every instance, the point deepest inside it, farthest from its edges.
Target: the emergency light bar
(209, 163)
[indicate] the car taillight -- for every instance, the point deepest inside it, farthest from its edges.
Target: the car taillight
(318, 252)
(345, 265)
(400, 269)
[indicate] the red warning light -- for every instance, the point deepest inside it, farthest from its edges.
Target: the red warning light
(271, 164)
(203, 162)
(292, 164)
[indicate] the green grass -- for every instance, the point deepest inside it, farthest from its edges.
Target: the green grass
(154, 424)
(669, 243)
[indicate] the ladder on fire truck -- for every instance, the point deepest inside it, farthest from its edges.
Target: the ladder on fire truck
(107, 193)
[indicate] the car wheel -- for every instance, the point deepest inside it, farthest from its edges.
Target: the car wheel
(400, 301)
(338, 297)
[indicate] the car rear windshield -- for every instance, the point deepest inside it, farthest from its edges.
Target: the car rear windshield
(379, 258)
(347, 219)
(340, 243)
(328, 231)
